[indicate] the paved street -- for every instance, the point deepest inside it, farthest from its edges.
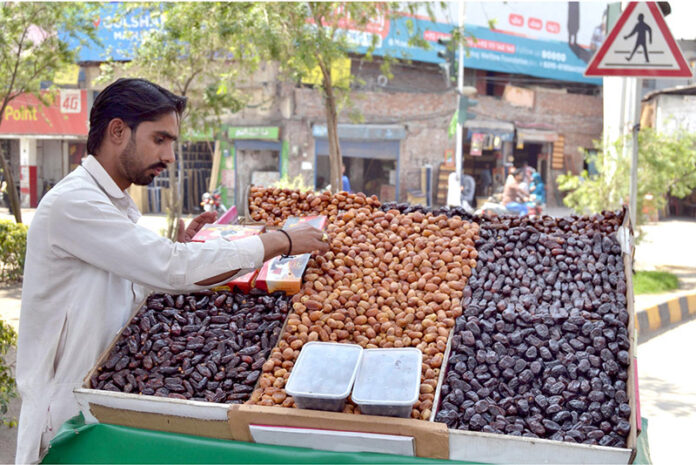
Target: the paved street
(667, 383)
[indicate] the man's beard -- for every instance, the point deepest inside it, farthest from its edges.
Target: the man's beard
(131, 166)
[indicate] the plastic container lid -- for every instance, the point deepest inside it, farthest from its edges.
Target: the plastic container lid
(324, 370)
(388, 377)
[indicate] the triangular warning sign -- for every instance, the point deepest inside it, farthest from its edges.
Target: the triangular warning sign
(641, 45)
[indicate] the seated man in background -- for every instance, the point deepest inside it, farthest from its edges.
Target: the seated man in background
(538, 190)
(514, 196)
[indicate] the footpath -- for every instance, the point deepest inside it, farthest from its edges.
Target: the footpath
(666, 246)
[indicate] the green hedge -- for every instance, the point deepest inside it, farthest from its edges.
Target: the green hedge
(13, 248)
(8, 389)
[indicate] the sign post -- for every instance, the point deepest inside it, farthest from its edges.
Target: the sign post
(460, 86)
(639, 45)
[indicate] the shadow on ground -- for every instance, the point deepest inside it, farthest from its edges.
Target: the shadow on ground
(671, 399)
(11, 290)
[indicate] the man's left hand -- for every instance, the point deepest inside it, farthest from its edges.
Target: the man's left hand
(185, 235)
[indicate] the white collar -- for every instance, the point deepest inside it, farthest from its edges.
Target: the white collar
(103, 178)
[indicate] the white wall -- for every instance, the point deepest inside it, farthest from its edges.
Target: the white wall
(674, 112)
(49, 163)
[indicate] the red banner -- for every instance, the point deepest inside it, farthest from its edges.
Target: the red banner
(65, 116)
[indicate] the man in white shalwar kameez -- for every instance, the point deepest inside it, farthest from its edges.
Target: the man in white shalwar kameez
(89, 265)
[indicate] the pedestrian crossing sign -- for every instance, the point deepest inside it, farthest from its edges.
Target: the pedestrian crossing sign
(640, 45)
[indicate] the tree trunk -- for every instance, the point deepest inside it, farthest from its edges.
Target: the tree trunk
(174, 210)
(335, 158)
(10, 186)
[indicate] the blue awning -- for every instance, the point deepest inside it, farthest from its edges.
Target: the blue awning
(502, 129)
(362, 131)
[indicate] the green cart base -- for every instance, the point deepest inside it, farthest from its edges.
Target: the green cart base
(77, 442)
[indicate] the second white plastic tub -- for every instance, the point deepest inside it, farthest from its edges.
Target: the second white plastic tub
(388, 381)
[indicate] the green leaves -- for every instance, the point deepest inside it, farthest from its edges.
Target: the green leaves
(8, 388)
(666, 165)
(13, 247)
(32, 45)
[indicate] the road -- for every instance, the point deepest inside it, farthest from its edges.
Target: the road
(667, 383)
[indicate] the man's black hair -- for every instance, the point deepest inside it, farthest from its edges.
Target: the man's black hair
(133, 101)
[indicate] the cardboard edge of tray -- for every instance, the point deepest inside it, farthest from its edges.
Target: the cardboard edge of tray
(431, 439)
(155, 413)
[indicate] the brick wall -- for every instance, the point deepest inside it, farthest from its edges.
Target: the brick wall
(577, 117)
(416, 97)
(425, 116)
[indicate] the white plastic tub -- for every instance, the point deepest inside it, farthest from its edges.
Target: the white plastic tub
(388, 381)
(323, 375)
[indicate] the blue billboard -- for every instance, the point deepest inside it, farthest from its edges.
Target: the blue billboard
(552, 40)
(118, 35)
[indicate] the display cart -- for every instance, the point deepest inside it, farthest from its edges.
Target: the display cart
(145, 428)
(77, 442)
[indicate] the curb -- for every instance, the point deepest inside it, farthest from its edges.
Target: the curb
(664, 315)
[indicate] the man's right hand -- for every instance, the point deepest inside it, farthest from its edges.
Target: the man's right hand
(305, 239)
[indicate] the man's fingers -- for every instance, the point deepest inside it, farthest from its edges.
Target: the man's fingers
(181, 232)
(307, 239)
(197, 223)
(323, 239)
(203, 218)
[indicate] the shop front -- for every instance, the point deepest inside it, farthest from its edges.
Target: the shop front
(486, 146)
(371, 156)
(251, 155)
(44, 140)
(534, 148)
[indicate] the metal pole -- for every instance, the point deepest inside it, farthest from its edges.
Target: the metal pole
(634, 175)
(460, 86)
(633, 206)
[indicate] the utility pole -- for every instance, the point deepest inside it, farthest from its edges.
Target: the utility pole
(633, 207)
(460, 89)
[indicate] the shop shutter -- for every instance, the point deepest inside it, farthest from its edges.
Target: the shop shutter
(557, 159)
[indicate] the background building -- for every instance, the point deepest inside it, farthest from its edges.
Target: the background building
(525, 59)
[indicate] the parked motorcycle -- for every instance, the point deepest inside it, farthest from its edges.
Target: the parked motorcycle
(212, 201)
(494, 207)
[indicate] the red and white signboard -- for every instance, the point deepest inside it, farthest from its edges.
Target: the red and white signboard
(640, 45)
(65, 116)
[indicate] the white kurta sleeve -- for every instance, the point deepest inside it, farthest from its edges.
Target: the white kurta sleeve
(90, 228)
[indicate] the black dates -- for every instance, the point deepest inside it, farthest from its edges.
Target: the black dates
(199, 346)
(545, 325)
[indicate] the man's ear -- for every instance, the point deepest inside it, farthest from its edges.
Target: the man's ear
(118, 131)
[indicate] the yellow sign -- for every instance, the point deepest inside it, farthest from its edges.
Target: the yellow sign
(23, 113)
(340, 74)
(68, 75)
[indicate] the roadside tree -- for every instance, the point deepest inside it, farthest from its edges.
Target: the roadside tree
(311, 41)
(201, 51)
(33, 48)
(666, 166)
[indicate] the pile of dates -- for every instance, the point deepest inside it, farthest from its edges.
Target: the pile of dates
(388, 280)
(542, 347)
(606, 222)
(274, 205)
(449, 212)
(208, 346)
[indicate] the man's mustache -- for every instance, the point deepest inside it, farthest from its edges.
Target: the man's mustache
(157, 165)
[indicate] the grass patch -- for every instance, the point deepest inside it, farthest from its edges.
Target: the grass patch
(654, 282)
